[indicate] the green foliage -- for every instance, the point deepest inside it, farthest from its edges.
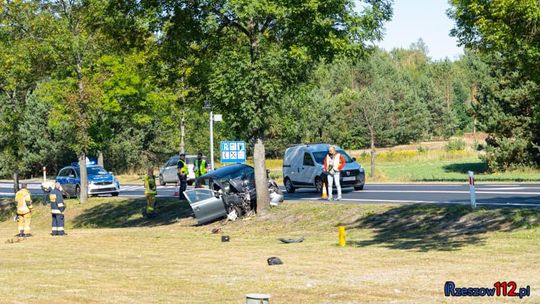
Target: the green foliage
(455, 144)
(505, 35)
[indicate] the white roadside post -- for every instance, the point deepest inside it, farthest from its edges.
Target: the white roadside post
(472, 190)
(44, 173)
(213, 117)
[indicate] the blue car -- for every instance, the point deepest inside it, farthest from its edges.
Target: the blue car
(99, 181)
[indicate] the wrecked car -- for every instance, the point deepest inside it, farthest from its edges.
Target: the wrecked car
(228, 192)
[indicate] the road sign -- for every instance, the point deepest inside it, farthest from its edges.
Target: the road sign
(233, 152)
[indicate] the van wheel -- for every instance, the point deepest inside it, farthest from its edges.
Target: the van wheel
(318, 184)
(289, 185)
(161, 182)
(358, 188)
(78, 192)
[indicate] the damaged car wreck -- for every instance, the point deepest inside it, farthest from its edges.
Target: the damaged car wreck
(230, 193)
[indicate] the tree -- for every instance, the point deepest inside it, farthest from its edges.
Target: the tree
(256, 41)
(505, 35)
(23, 61)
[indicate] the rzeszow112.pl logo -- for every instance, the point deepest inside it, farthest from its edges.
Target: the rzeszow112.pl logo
(499, 289)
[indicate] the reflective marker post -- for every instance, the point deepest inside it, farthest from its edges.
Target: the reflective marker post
(341, 236)
(471, 190)
(44, 173)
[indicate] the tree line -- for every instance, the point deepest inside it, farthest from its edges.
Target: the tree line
(117, 77)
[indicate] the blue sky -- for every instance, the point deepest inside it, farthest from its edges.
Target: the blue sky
(424, 19)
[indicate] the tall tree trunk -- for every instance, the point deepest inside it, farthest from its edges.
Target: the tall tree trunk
(100, 160)
(84, 178)
(261, 182)
(15, 181)
(372, 136)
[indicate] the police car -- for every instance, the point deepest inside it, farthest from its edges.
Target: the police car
(99, 180)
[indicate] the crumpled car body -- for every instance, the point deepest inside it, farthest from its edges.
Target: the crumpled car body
(230, 192)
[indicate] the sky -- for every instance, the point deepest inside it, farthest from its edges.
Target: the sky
(424, 19)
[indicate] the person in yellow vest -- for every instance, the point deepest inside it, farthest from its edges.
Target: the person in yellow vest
(199, 168)
(24, 211)
(150, 191)
(182, 175)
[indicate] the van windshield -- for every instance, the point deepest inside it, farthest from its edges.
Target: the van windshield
(320, 155)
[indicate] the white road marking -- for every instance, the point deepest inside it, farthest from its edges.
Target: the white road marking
(427, 202)
(446, 192)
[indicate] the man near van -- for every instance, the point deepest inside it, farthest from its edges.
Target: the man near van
(333, 163)
(24, 211)
(182, 175)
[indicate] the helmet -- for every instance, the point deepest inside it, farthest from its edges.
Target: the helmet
(47, 186)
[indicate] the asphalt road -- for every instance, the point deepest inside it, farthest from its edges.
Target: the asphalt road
(524, 195)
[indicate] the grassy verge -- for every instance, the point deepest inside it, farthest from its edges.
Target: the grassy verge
(394, 253)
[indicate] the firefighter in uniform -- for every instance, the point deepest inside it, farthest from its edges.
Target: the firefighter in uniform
(199, 168)
(24, 211)
(182, 175)
(55, 198)
(150, 191)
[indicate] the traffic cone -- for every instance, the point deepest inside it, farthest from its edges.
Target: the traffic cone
(324, 194)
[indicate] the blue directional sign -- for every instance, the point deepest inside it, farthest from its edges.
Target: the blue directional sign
(233, 151)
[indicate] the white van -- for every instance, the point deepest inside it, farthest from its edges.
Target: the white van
(303, 168)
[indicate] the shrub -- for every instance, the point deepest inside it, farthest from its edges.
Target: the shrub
(455, 145)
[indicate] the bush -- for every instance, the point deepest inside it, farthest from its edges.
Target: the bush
(422, 149)
(507, 153)
(455, 145)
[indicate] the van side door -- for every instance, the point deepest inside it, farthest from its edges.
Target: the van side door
(308, 170)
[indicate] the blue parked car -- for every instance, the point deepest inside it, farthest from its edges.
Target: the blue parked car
(99, 181)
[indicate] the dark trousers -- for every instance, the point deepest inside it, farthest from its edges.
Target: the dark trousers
(183, 187)
(57, 224)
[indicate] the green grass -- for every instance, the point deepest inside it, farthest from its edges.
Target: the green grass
(439, 166)
(395, 253)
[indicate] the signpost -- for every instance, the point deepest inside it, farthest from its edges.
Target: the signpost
(233, 151)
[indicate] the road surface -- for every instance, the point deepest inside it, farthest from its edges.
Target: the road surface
(525, 195)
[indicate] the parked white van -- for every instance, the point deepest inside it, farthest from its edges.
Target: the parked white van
(303, 168)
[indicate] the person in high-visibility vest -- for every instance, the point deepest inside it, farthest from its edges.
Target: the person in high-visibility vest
(199, 168)
(333, 163)
(150, 191)
(182, 175)
(24, 211)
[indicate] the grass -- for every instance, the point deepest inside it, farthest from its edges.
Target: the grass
(400, 253)
(439, 166)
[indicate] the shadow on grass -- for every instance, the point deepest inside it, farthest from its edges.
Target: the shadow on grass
(7, 209)
(128, 213)
(425, 227)
(476, 167)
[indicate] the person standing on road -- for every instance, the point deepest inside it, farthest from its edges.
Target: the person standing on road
(333, 163)
(150, 191)
(55, 198)
(182, 175)
(199, 168)
(24, 211)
